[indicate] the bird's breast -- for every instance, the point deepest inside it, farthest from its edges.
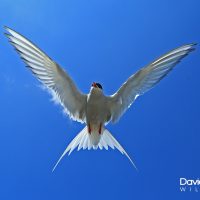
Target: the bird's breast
(96, 109)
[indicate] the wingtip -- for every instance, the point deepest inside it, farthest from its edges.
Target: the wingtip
(193, 45)
(7, 28)
(6, 34)
(10, 31)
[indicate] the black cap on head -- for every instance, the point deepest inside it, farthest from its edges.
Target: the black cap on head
(99, 85)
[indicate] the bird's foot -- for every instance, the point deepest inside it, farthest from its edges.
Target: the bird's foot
(89, 129)
(100, 127)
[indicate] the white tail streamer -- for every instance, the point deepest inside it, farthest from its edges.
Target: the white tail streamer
(84, 141)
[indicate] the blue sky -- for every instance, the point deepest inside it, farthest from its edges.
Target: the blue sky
(104, 41)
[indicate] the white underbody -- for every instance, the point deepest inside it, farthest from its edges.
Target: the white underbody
(97, 115)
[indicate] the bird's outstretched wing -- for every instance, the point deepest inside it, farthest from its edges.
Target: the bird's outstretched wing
(144, 79)
(51, 75)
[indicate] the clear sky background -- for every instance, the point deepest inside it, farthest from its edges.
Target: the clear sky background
(104, 41)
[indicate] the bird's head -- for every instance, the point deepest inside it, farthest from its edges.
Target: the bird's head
(97, 86)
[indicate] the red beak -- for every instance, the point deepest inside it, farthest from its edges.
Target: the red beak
(94, 85)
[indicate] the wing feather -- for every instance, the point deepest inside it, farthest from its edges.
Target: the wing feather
(51, 75)
(144, 79)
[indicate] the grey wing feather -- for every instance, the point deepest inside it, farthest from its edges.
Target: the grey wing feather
(144, 79)
(51, 75)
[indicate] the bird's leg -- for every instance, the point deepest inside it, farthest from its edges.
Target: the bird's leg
(100, 128)
(89, 128)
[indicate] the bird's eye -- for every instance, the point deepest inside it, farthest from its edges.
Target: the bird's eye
(99, 85)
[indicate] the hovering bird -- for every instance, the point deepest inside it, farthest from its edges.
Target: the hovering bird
(94, 109)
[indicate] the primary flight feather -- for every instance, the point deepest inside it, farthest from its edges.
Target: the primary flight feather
(94, 109)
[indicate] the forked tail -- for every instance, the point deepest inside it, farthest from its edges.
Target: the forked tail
(84, 141)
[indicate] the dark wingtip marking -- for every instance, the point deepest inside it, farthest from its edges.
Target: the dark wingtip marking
(7, 35)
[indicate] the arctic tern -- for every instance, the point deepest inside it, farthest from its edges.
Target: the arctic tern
(94, 109)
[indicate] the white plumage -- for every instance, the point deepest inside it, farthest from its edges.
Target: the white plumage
(94, 109)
